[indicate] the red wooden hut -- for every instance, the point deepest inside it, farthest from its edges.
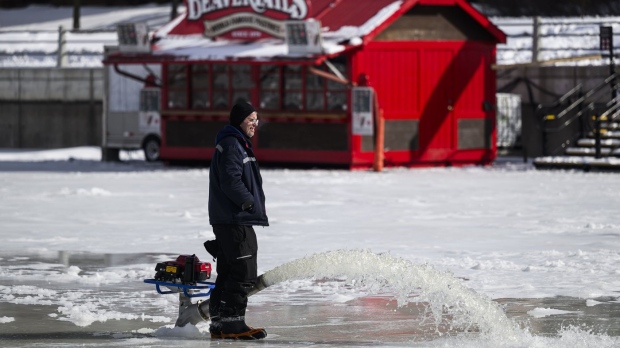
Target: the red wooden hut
(305, 65)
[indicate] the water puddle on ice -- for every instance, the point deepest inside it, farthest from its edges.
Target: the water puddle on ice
(435, 308)
(338, 298)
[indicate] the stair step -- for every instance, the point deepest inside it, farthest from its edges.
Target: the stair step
(607, 135)
(612, 125)
(590, 151)
(604, 142)
(580, 162)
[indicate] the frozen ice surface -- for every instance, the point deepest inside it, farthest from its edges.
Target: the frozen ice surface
(499, 256)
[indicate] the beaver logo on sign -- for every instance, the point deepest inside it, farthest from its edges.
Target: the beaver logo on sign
(295, 9)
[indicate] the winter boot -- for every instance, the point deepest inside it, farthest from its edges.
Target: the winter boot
(215, 328)
(235, 328)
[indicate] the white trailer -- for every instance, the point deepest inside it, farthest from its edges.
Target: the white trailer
(131, 111)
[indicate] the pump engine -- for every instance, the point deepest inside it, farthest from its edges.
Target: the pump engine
(186, 269)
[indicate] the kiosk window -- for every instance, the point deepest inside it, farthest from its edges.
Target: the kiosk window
(335, 86)
(200, 87)
(315, 95)
(242, 83)
(292, 87)
(337, 92)
(177, 86)
(241, 96)
(273, 87)
(337, 101)
(270, 87)
(221, 83)
(242, 77)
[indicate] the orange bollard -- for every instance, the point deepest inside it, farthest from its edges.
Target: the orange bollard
(379, 142)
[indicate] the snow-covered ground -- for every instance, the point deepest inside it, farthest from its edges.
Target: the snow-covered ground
(29, 36)
(533, 241)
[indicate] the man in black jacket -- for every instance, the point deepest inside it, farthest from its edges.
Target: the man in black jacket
(236, 203)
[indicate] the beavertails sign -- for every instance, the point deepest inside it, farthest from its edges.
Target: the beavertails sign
(240, 19)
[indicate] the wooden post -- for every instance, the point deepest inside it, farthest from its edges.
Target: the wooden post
(62, 60)
(76, 14)
(379, 142)
(173, 11)
(597, 136)
(536, 38)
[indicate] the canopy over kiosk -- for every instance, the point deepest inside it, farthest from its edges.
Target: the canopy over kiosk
(319, 72)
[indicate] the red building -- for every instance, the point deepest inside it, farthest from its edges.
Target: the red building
(301, 63)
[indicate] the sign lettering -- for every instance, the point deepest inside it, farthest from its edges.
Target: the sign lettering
(295, 9)
(243, 20)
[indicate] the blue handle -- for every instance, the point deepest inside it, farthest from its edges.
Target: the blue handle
(198, 286)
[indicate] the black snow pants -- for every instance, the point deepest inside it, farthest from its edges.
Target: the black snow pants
(236, 269)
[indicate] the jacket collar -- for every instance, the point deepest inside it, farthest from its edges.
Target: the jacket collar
(232, 131)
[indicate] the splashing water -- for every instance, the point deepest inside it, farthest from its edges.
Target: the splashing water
(444, 294)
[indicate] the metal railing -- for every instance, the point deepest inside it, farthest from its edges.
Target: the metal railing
(529, 39)
(608, 116)
(577, 106)
(55, 47)
(540, 38)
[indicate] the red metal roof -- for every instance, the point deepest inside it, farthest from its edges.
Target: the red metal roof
(335, 14)
(338, 13)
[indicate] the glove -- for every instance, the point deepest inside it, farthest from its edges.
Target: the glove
(248, 206)
(212, 248)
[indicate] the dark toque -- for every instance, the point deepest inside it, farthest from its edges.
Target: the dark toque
(239, 112)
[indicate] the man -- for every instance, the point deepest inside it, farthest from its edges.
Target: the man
(236, 203)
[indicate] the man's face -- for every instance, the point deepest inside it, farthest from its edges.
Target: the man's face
(249, 124)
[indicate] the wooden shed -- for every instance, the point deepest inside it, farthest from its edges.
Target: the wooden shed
(320, 72)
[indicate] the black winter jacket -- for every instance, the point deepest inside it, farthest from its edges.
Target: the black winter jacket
(234, 178)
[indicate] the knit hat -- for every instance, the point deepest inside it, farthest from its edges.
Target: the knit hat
(239, 112)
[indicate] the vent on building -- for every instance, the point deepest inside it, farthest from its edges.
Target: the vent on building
(303, 136)
(401, 135)
(474, 134)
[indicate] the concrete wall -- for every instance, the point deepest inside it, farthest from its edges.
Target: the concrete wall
(50, 107)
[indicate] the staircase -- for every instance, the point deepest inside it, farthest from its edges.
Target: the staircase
(610, 142)
(570, 136)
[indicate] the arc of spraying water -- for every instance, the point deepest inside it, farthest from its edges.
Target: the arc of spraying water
(440, 289)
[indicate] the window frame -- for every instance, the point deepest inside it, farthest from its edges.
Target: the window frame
(255, 92)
